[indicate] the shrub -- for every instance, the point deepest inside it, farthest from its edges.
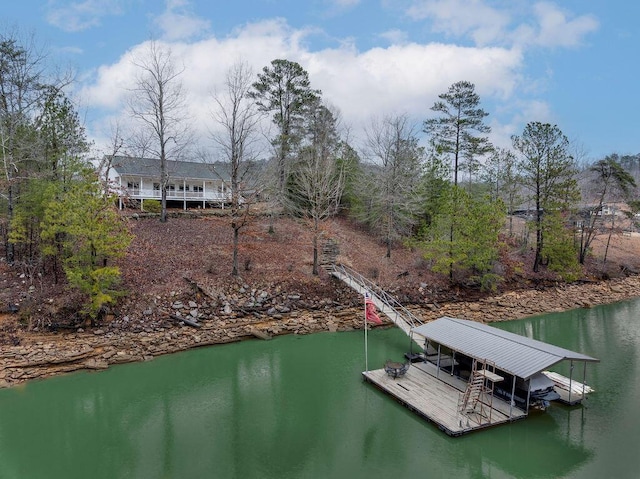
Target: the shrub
(152, 206)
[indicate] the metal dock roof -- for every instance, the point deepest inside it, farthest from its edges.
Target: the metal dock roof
(512, 353)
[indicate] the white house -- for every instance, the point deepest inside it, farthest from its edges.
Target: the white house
(190, 184)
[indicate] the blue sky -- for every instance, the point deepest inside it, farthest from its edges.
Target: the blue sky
(573, 63)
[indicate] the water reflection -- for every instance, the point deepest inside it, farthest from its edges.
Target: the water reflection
(296, 407)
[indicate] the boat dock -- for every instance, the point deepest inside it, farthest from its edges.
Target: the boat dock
(438, 399)
(468, 368)
(571, 391)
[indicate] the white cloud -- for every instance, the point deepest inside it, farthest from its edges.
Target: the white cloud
(405, 78)
(515, 23)
(556, 30)
(78, 16)
(395, 37)
(461, 18)
(178, 22)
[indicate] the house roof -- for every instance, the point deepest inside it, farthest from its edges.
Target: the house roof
(512, 353)
(150, 167)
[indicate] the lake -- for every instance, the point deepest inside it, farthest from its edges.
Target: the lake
(297, 407)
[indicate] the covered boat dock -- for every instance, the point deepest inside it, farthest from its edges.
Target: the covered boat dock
(472, 376)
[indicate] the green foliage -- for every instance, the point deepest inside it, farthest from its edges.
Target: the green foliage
(559, 248)
(25, 225)
(458, 130)
(464, 237)
(284, 89)
(434, 182)
(98, 284)
(152, 206)
(548, 172)
(83, 227)
(349, 162)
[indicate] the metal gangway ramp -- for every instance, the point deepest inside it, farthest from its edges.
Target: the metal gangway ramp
(387, 304)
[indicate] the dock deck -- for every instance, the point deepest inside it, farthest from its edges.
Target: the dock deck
(436, 399)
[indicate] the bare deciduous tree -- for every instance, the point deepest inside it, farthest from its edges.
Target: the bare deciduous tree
(238, 117)
(610, 182)
(392, 181)
(117, 142)
(158, 102)
(317, 180)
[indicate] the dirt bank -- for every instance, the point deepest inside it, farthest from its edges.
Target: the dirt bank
(40, 355)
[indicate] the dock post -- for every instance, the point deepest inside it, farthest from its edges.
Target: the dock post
(366, 338)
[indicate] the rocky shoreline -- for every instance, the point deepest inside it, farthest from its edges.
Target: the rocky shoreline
(200, 323)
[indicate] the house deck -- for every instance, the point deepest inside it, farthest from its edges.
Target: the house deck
(437, 398)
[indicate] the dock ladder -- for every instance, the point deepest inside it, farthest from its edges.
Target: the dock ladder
(478, 397)
(387, 304)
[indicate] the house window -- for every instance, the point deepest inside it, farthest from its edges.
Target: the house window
(171, 187)
(156, 187)
(133, 187)
(197, 189)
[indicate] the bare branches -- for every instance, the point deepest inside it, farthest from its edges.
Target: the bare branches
(238, 117)
(158, 102)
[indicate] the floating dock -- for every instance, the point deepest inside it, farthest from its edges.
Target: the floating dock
(436, 396)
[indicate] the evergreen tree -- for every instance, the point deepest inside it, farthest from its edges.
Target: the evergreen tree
(459, 130)
(548, 173)
(476, 247)
(559, 247)
(23, 89)
(82, 225)
(284, 89)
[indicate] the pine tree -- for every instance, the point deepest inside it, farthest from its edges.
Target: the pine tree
(82, 225)
(548, 172)
(473, 253)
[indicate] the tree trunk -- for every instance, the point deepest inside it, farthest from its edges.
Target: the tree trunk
(315, 247)
(539, 239)
(9, 246)
(606, 250)
(236, 234)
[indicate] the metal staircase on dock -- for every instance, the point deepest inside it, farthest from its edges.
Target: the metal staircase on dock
(387, 304)
(475, 387)
(477, 399)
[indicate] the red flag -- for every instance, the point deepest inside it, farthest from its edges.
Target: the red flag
(371, 311)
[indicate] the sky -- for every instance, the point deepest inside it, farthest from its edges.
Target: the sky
(570, 63)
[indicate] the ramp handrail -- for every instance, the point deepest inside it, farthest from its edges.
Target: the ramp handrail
(365, 283)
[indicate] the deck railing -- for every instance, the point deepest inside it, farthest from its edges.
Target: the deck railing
(137, 193)
(391, 302)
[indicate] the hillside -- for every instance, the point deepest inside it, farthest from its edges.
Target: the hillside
(167, 260)
(180, 271)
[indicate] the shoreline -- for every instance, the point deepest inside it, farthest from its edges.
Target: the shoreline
(43, 355)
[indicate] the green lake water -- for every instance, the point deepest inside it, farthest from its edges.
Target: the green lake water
(296, 407)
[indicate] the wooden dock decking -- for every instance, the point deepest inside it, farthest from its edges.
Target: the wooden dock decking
(436, 399)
